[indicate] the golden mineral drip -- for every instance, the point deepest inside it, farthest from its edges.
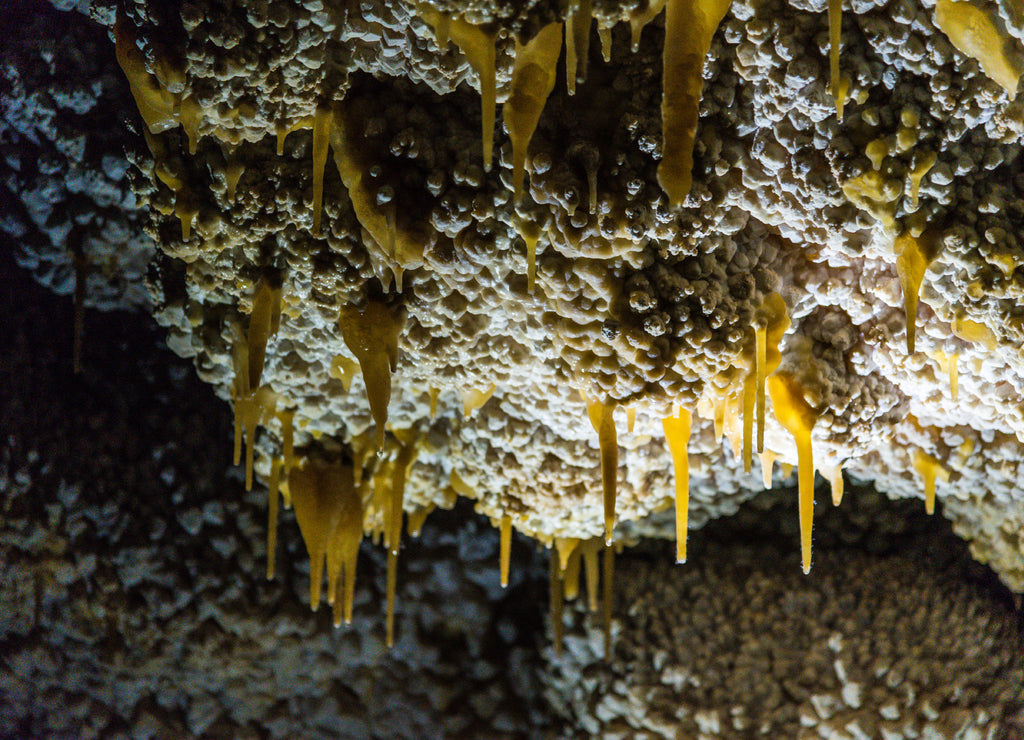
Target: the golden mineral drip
(343, 549)
(835, 21)
(577, 43)
(392, 248)
(761, 361)
(530, 232)
(473, 399)
(261, 321)
(605, 34)
(239, 385)
(286, 417)
(442, 31)
(973, 331)
(913, 255)
(272, 500)
(317, 491)
(322, 122)
(191, 115)
(749, 383)
(602, 418)
(835, 479)
(565, 546)
(920, 169)
(392, 582)
(609, 577)
(282, 133)
(767, 463)
(533, 79)
(677, 435)
(556, 602)
(434, 392)
(371, 334)
(505, 548)
(798, 417)
(591, 569)
(414, 521)
(186, 214)
(407, 453)
(929, 468)
(630, 419)
(571, 574)
(255, 408)
(978, 34)
(771, 322)
(344, 369)
(718, 409)
(689, 28)
(233, 171)
(570, 48)
(393, 518)
(155, 104)
(637, 22)
(478, 46)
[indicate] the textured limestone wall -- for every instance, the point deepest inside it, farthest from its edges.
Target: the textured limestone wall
(637, 304)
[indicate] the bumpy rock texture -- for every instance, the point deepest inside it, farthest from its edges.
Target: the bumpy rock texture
(896, 635)
(635, 304)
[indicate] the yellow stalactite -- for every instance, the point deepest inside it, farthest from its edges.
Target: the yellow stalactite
(505, 548)
(434, 393)
(638, 21)
(609, 583)
(571, 574)
(156, 105)
(798, 417)
(318, 492)
(473, 399)
(322, 124)
(261, 325)
(371, 334)
(978, 35)
(835, 20)
(689, 27)
(677, 435)
(272, 499)
(749, 395)
(577, 43)
(929, 468)
(392, 583)
(533, 79)
(605, 34)
(530, 232)
(590, 550)
(343, 548)
(913, 255)
(602, 418)
(767, 462)
(835, 479)
(478, 46)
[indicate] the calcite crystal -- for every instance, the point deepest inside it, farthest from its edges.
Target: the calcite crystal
(696, 232)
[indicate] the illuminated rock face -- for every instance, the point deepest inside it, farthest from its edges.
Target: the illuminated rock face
(336, 155)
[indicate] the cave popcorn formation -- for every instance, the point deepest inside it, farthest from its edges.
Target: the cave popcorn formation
(561, 315)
